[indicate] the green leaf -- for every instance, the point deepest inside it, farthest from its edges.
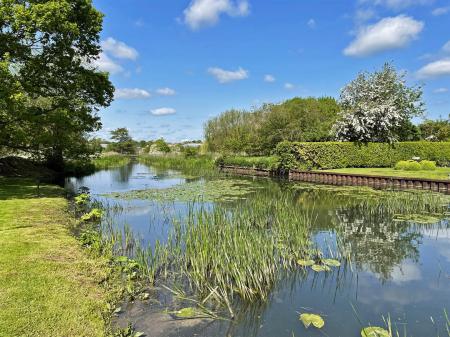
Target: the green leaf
(374, 331)
(315, 320)
(318, 268)
(305, 263)
(331, 262)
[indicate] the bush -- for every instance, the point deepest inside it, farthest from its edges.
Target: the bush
(428, 165)
(408, 165)
(331, 155)
(269, 163)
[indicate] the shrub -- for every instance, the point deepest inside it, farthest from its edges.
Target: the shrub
(428, 165)
(408, 165)
(330, 155)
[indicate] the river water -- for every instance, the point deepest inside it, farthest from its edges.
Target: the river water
(398, 270)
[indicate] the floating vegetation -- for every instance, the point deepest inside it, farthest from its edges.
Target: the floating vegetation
(305, 263)
(374, 331)
(212, 190)
(312, 319)
(418, 218)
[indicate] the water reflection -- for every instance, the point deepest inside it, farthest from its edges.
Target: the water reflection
(390, 267)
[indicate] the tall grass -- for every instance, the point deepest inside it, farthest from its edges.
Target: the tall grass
(110, 161)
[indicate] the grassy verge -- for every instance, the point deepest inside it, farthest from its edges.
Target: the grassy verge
(49, 286)
(196, 165)
(80, 168)
(271, 163)
(441, 173)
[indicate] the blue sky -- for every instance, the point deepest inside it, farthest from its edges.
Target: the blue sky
(177, 63)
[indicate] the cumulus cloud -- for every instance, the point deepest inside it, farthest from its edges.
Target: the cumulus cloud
(163, 111)
(131, 93)
(435, 69)
(269, 78)
(105, 63)
(225, 76)
(388, 33)
(119, 49)
(440, 11)
(288, 86)
(440, 90)
(165, 92)
(311, 23)
(207, 12)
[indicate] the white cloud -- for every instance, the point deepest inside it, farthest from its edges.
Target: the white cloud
(311, 23)
(207, 12)
(163, 111)
(131, 93)
(435, 69)
(440, 90)
(119, 49)
(225, 76)
(388, 33)
(104, 63)
(440, 11)
(406, 272)
(165, 92)
(269, 78)
(397, 4)
(364, 15)
(288, 86)
(446, 47)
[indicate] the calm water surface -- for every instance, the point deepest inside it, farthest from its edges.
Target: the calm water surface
(398, 269)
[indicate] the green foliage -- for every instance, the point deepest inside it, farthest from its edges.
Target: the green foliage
(270, 163)
(330, 155)
(94, 215)
(48, 108)
(161, 145)
(312, 319)
(258, 132)
(123, 144)
(82, 199)
(412, 165)
(436, 130)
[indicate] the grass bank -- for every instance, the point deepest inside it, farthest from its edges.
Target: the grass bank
(49, 286)
(195, 165)
(80, 168)
(269, 163)
(441, 173)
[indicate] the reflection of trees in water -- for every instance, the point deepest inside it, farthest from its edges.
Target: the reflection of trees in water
(374, 240)
(123, 173)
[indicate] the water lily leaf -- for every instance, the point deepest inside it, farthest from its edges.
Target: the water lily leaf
(331, 262)
(188, 312)
(374, 331)
(305, 263)
(318, 268)
(315, 320)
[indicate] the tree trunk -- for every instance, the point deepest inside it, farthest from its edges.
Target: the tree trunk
(55, 161)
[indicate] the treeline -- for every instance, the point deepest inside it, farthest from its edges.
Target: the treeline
(374, 107)
(259, 131)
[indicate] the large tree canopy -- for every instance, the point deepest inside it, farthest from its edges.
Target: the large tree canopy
(49, 89)
(376, 107)
(259, 131)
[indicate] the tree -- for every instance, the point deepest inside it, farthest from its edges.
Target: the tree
(49, 85)
(123, 142)
(375, 105)
(436, 130)
(161, 145)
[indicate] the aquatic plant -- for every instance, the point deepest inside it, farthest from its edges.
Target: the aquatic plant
(312, 319)
(202, 165)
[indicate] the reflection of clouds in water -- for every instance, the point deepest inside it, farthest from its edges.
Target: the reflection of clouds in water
(441, 238)
(404, 296)
(406, 272)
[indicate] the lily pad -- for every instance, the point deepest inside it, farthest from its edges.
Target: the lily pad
(305, 263)
(375, 331)
(318, 268)
(331, 262)
(315, 320)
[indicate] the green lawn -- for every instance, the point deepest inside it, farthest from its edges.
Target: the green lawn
(48, 285)
(441, 173)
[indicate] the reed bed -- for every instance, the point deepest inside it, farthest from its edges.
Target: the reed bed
(196, 166)
(110, 161)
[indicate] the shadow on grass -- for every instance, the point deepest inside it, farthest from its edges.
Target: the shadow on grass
(25, 188)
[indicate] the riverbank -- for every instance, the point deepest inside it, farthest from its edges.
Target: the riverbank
(50, 287)
(440, 173)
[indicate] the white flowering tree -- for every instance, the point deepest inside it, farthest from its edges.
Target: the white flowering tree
(376, 105)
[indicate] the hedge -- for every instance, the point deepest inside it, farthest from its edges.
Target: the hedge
(331, 155)
(270, 163)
